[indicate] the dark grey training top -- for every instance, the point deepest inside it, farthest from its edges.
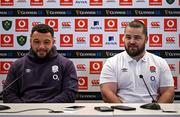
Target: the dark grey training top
(51, 80)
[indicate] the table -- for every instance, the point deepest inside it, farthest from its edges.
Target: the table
(88, 111)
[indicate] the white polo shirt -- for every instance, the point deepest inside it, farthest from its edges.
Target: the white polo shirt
(124, 70)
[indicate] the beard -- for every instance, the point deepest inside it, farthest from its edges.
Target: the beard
(134, 50)
(42, 54)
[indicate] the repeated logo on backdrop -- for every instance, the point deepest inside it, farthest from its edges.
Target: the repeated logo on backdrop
(4, 66)
(66, 24)
(84, 3)
(155, 2)
(21, 40)
(7, 3)
(96, 2)
(125, 2)
(155, 40)
(66, 40)
(7, 24)
(170, 40)
(96, 40)
(81, 67)
(170, 25)
(81, 25)
(36, 2)
(7, 40)
(95, 67)
(170, 1)
(22, 25)
(53, 23)
(155, 24)
(110, 25)
(66, 2)
(121, 40)
(83, 82)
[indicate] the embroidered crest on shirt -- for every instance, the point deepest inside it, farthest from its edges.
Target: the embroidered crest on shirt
(152, 69)
(152, 78)
(55, 69)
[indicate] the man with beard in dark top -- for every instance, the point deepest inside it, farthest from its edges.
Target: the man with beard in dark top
(44, 75)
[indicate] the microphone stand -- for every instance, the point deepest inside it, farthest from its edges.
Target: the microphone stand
(4, 107)
(152, 106)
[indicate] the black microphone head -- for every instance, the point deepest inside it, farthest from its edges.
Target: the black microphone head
(140, 76)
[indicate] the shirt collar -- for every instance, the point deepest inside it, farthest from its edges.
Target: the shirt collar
(145, 57)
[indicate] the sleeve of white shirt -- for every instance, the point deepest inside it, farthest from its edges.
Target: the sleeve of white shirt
(166, 78)
(108, 72)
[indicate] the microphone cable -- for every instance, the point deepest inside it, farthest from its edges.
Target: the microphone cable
(8, 85)
(33, 109)
(153, 100)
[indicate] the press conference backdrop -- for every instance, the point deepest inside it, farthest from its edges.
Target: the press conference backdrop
(90, 31)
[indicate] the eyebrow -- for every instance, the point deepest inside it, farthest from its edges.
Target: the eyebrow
(138, 35)
(35, 40)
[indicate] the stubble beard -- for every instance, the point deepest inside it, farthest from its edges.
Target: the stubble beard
(135, 51)
(43, 57)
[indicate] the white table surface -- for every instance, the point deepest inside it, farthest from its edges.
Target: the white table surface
(88, 111)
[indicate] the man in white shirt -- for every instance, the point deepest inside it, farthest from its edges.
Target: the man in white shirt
(120, 77)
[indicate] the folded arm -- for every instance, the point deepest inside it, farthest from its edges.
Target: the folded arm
(166, 95)
(167, 85)
(109, 92)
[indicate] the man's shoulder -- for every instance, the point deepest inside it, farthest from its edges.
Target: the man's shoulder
(151, 55)
(117, 56)
(20, 61)
(63, 59)
(155, 58)
(116, 59)
(18, 64)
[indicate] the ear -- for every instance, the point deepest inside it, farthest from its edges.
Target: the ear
(54, 41)
(30, 38)
(123, 37)
(30, 41)
(146, 39)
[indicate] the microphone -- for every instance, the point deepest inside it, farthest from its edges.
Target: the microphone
(4, 107)
(152, 106)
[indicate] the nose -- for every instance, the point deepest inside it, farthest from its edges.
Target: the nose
(41, 45)
(132, 40)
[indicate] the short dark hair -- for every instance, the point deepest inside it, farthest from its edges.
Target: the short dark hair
(43, 28)
(138, 24)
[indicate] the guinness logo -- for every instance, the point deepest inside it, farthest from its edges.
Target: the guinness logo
(7, 24)
(21, 40)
